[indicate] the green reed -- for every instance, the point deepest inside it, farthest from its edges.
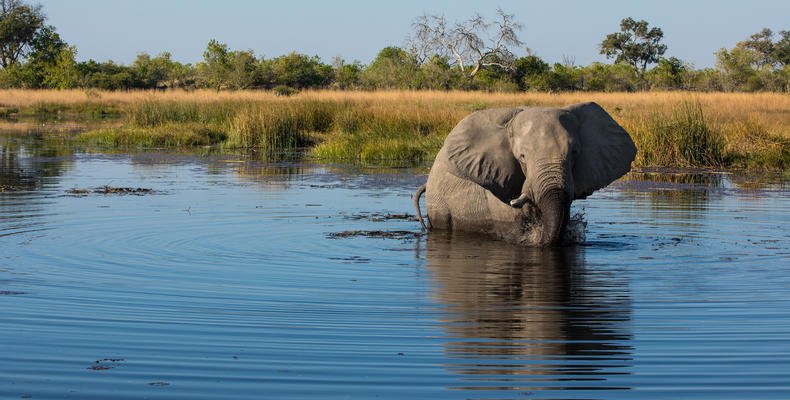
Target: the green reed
(679, 137)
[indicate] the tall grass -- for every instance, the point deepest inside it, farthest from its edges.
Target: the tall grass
(669, 128)
(680, 136)
(165, 135)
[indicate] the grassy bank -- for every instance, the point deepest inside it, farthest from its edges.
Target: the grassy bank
(671, 129)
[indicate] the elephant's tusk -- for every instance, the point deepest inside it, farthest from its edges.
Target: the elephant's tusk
(518, 202)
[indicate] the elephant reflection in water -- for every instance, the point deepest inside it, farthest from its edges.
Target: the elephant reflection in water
(528, 311)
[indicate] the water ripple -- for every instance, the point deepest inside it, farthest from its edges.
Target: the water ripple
(224, 283)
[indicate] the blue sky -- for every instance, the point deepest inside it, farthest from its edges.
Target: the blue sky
(357, 30)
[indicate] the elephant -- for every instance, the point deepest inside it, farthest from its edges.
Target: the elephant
(512, 173)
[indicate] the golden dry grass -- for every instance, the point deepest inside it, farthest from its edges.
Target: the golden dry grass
(771, 110)
(754, 127)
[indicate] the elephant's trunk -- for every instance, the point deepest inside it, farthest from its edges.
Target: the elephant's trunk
(554, 207)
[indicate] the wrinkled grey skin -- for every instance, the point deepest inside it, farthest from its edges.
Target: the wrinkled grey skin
(512, 173)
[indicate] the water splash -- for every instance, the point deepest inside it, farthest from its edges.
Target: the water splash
(575, 230)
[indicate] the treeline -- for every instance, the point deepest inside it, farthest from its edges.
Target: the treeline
(37, 57)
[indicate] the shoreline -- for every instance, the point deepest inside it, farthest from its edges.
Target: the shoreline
(741, 131)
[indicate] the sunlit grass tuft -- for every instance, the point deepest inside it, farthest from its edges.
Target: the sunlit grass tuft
(165, 135)
(680, 136)
(752, 145)
(371, 148)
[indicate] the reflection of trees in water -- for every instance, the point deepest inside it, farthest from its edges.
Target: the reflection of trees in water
(685, 198)
(525, 315)
(268, 170)
(26, 166)
(12, 177)
(23, 163)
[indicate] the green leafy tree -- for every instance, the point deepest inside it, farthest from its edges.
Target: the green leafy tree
(45, 49)
(528, 72)
(216, 64)
(107, 75)
(345, 76)
(438, 74)
(18, 26)
(46, 46)
(738, 66)
(242, 73)
(495, 78)
(781, 53)
(393, 68)
(763, 46)
(300, 71)
(636, 44)
(63, 74)
(668, 74)
(609, 78)
(769, 53)
(153, 72)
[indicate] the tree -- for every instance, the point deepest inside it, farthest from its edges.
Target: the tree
(738, 66)
(769, 53)
(107, 75)
(470, 43)
(345, 76)
(241, 74)
(152, 72)
(528, 71)
(781, 53)
(436, 73)
(393, 68)
(300, 71)
(63, 74)
(216, 63)
(763, 46)
(668, 74)
(44, 52)
(18, 26)
(635, 45)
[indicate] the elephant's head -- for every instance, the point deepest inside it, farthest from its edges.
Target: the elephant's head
(544, 156)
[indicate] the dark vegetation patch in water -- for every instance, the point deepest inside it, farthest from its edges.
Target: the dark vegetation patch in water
(11, 188)
(380, 217)
(112, 190)
(402, 235)
(352, 259)
(106, 363)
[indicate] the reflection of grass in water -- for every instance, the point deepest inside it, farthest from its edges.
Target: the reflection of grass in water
(677, 176)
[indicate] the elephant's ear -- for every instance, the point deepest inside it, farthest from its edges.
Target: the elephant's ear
(479, 150)
(606, 149)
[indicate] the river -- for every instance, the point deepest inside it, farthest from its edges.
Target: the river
(227, 276)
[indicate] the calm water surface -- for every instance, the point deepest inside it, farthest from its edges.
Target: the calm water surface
(238, 278)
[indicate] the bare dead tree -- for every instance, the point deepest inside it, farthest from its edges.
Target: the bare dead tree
(473, 44)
